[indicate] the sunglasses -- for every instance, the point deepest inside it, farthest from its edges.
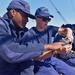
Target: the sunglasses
(44, 18)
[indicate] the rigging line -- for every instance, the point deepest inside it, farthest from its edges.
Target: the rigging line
(58, 12)
(73, 5)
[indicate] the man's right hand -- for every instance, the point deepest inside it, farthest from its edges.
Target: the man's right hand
(60, 47)
(65, 49)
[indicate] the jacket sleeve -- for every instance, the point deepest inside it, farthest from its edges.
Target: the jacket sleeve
(54, 30)
(13, 52)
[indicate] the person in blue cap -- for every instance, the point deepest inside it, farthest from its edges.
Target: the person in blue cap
(12, 53)
(43, 33)
(69, 58)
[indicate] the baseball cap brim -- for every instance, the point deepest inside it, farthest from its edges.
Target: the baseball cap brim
(51, 16)
(29, 14)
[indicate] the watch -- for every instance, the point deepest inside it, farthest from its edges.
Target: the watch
(54, 52)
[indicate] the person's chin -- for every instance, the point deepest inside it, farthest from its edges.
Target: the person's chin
(22, 26)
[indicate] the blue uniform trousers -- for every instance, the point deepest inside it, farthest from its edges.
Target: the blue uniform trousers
(56, 67)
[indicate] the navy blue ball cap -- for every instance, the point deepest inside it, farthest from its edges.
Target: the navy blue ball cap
(72, 26)
(42, 11)
(22, 5)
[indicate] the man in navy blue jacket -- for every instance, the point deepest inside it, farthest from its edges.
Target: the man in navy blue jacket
(43, 33)
(69, 58)
(12, 27)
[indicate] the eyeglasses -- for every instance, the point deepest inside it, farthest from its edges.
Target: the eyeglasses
(44, 18)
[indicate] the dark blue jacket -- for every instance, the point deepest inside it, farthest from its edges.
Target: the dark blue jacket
(44, 37)
(13, 54)
(59, 38)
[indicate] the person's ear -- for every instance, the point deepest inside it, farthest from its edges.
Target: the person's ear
(12, 12)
